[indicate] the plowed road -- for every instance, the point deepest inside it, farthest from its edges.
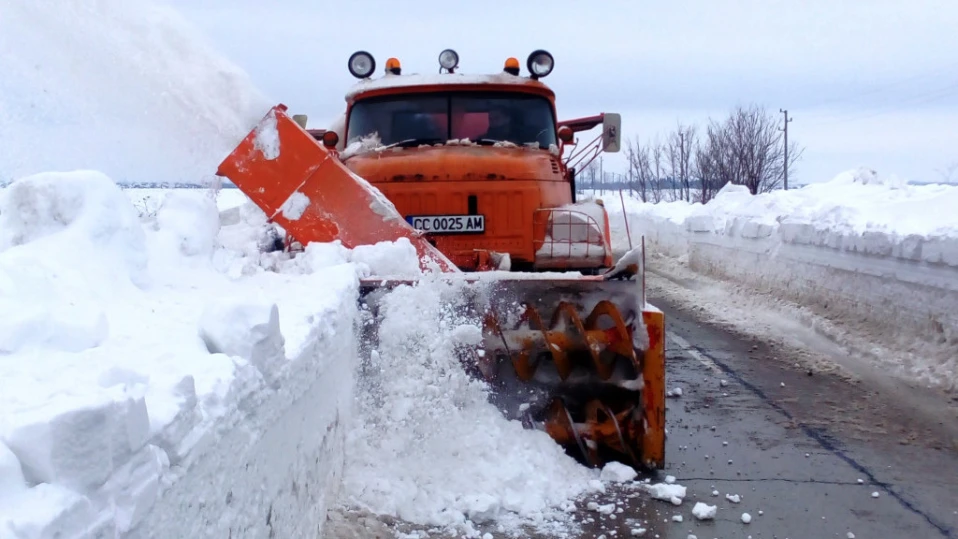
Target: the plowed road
(810, 454)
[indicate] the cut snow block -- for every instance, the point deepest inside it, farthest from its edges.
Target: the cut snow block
(12, 481)
(131, 429)
(134, 488)
(248, 330)
(700, 223)
(941, 250)
(72, 448)
(179, 426)
(54, 511)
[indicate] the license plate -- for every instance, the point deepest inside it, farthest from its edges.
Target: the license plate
(448, 224)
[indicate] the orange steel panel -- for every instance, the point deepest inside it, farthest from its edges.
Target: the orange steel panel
(653, 372)
(339, 205)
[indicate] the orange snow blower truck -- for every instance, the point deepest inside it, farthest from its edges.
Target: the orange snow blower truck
(479, 176)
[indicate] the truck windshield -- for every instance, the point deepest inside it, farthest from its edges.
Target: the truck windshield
(411, 120)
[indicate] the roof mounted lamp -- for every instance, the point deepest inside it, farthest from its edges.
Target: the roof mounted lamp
(361, 64)
(512, 66)
(540, 64)
(393, 67)
(448, 60)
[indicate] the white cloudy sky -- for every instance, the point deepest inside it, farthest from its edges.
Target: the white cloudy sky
(868, 82)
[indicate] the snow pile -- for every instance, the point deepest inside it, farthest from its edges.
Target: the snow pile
(861, 249)
(431, 449)
(123, 86)
(150, 364)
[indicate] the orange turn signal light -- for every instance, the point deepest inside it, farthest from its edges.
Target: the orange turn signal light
(330, 139)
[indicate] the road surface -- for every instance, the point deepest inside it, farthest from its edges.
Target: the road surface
(811, 454)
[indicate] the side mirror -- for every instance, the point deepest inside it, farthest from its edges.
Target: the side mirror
(300, 119)
(611, 130)
(565, 134)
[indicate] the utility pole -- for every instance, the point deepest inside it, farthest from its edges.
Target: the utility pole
(685, 195)
(601, 178)
(785, 129)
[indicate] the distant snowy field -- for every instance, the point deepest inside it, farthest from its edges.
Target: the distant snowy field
(861, 249)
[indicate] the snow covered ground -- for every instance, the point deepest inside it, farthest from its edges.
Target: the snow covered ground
(874, 254)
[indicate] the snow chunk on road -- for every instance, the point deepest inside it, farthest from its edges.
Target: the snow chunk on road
(667, 492)
(704, 511)
(617, 472)
(734, 498)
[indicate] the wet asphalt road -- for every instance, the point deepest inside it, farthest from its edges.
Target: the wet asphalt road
(805, 458)
(805, 452)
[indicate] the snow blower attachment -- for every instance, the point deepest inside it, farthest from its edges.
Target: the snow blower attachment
(578, 354)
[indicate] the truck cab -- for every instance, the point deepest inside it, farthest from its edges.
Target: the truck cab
(475, 162)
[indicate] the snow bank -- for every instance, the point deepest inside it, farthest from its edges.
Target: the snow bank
(164, 373)
(861, 248)
(127, 87)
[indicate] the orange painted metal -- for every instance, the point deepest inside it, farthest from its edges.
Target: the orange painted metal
(279, 163)
(653, 372)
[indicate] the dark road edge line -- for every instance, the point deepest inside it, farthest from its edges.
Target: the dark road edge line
(823, 440)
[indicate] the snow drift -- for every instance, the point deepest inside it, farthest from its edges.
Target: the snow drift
(861, 248)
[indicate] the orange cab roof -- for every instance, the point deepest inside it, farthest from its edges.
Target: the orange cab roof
(388, 84)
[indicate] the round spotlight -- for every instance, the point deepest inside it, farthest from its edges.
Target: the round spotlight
(448, 59)
(540, 63)
(362, 64)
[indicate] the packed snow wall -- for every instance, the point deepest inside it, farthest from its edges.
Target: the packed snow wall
(163, 376)
(861, 249)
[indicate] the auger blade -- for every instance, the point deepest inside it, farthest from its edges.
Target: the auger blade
(579, 357)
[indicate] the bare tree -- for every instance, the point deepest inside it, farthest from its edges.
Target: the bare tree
(949, 174)
(713, 162)
(755, 143)
(679, 149)
(657, 169)
(640, 172)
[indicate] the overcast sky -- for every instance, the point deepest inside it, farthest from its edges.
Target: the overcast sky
(868, 82)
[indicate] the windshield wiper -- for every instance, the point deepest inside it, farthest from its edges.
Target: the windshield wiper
(410, 142)
(493, 142)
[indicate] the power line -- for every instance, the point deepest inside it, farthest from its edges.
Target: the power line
(922, 99)
(950, 68)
